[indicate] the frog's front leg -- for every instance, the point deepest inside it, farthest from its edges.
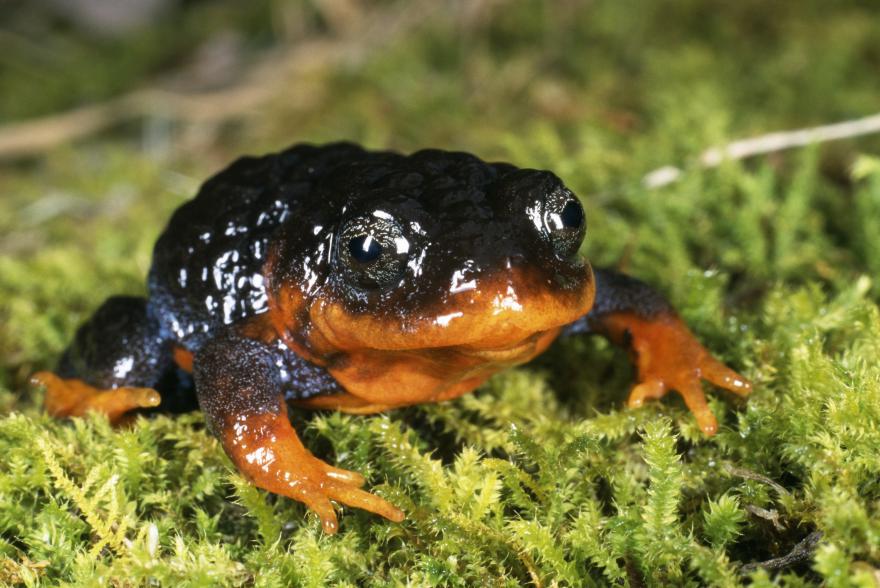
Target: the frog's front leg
(239, 383)
(667, 354)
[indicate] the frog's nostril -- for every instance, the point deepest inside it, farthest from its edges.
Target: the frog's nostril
(515, 259)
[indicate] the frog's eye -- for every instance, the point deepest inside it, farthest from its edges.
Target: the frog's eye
(373, 250)
(364, 249)
(564, 222)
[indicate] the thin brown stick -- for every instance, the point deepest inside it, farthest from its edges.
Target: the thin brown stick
(750, 475)
(800, 553)
(764, 144)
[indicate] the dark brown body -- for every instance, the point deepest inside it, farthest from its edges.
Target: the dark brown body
(334, 277)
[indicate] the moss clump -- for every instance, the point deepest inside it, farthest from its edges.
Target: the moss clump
(540, 477)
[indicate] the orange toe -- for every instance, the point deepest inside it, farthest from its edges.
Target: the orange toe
(69, 397)
(669, 357)
(651, 389)
(266, 449)
(722, 376)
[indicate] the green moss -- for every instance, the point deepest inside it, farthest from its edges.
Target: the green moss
(542, 476)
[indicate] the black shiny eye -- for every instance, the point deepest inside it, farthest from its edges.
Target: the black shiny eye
(372, 251)
(564, 222)
(572, 214)
(364, 248)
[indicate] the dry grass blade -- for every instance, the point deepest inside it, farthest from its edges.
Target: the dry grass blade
(770, 143)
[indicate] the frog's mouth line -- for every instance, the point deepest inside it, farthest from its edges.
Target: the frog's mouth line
(507, 353)
(487, 324)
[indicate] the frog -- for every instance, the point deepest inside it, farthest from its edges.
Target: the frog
(334, 277)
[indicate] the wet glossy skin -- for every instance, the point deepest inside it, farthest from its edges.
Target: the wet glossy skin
(479, 284)
(333, 277)
(461, 227)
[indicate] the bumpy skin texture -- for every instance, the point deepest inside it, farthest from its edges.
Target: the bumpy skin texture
(123, 323)
(207, 266)
(338, 278)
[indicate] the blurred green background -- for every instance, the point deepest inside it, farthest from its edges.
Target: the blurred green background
(112, 114)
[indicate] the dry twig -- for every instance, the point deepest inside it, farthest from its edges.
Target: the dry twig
(801, 553)
(770, 143)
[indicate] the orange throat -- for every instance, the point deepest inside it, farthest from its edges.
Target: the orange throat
(401, 378)
(385, 359)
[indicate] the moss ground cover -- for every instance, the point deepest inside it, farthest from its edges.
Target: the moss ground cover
(541, 477)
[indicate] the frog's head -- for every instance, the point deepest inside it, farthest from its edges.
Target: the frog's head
(440, 251)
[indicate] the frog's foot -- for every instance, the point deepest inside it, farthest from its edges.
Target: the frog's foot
(669, 357)
(266, 450)
(71, 397)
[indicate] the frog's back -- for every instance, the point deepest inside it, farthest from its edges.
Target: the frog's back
(207, 264)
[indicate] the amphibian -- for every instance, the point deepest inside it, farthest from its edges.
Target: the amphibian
(333, 277)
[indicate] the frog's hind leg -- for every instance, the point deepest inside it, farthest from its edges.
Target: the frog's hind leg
(113, 365)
